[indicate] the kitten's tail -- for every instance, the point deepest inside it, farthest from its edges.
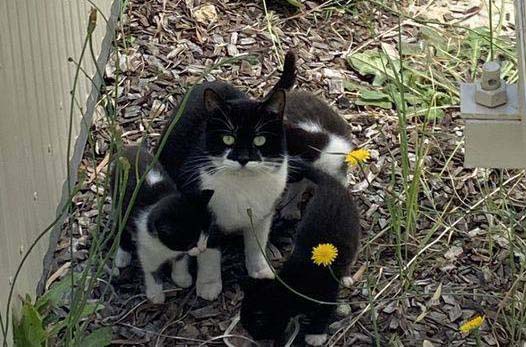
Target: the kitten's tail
(288, 76)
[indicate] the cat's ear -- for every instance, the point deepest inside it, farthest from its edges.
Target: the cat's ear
(213, 102)
(275, 104)
(205, 197)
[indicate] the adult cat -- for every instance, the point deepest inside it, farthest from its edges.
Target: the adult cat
(235, 146)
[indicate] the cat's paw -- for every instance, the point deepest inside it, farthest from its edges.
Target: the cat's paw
(155, 294)
(209, 290)
(347, 281)
(290, 212)
(122, 258)
(316, 340)
(260, 271)
(182, 280)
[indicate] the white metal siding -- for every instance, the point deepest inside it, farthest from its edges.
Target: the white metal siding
(36, 39)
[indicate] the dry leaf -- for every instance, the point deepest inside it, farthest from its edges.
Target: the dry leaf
(205, 14)
(453, 253)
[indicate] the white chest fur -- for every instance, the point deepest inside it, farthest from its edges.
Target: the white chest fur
(237, 191)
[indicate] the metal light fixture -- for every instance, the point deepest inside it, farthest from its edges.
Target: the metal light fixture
(495, 113)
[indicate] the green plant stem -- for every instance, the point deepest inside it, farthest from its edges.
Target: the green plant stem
(477, 337)
(22, 262)
(89, 31)
(273, 35)
(262, 249)
(490, 7)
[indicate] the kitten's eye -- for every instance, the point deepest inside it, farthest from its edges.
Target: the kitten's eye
(259, 140)
(229, 140)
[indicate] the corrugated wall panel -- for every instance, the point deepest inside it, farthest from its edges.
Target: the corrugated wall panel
(36, 39)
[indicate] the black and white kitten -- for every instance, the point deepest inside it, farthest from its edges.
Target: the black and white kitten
(235, 146)
(315, 134)
(164, 224)
(330, 217)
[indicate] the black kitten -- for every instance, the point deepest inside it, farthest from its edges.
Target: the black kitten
(165, 224)
(330, 217)
(235, 146)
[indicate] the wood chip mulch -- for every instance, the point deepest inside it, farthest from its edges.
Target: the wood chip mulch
(458, 260)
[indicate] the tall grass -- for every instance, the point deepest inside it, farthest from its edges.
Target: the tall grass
(408, 184)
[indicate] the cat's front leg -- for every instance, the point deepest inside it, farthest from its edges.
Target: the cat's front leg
(209, 283)
(255, 244)
(180, 274)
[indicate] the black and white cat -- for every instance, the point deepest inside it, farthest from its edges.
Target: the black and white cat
(164, 224)
(330, 217)
(235, 146)
(315, 134)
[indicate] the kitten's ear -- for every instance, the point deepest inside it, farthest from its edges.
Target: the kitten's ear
(275, 104)
(213, 101)
(205, 197)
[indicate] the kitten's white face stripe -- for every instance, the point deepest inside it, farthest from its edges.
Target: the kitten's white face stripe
(154, 177)
(332, 163)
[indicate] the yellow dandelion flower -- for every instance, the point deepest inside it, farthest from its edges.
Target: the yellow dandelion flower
(324, 254)
(472, 324)
(357, 156)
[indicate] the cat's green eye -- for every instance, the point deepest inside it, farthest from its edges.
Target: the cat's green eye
(259, 140)
(229, 140)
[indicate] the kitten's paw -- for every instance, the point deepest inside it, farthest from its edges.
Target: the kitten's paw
(290, 212)
(194, 252)
(182, 280)
(347, 281)
(209, 290)
(122, 258)
(155, 294)
(316, 340)
(115, 272)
